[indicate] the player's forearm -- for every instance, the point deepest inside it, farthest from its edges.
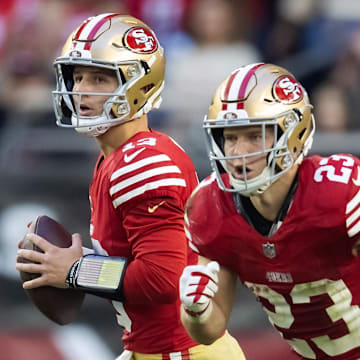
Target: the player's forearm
(205, 330)
(156, 281)
(158, 260)
(140, 282)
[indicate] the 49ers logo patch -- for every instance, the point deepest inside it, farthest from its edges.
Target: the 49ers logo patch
(288, 90)
(140, 40)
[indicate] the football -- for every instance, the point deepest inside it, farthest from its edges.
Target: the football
(59, 305)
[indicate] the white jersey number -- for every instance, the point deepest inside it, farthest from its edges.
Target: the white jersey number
(329, 170)
(340, 310)
(122, 316)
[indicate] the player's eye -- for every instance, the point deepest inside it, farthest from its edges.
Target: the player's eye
(255, 137)
(77, 78)
(100, 79)
(230, 138)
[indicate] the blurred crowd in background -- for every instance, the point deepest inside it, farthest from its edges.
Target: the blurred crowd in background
(45, 169)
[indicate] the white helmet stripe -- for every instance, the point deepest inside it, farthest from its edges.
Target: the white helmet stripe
(89, 30)
(237, 83)
(236, 87)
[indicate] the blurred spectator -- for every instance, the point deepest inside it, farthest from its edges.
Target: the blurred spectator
(331, 114)
(221, 46)
(30, 42)
(346, 75)
(27, 47)
(167, 19)
(76, 11)
(6, 7)
(281, 34)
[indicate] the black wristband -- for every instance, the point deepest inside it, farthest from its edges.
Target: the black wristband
(71, 276)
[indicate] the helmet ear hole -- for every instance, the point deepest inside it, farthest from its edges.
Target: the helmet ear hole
(145, 89)
(145, 66)
(301, 133)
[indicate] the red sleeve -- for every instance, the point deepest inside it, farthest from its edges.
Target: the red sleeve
(155, 231)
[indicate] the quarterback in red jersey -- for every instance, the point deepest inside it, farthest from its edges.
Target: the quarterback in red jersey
(110, 74)
(286, 225)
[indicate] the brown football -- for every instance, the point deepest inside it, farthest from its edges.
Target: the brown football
(59, 305)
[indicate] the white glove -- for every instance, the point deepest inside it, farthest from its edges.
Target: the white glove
(198, 285)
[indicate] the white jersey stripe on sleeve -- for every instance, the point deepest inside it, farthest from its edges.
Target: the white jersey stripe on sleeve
(193, 247)
(187, 233)
(149, 186)
(353, 217)
(138, 165)
(142, 176)
(355, 201)
(354, 230)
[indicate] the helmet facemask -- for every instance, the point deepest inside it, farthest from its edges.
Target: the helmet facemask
(119, 43)
(279, 158)
(68, 115)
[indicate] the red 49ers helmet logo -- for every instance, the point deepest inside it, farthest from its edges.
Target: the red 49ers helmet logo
(288, 90)
(140, 40)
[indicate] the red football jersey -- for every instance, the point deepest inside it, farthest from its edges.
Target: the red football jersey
(137, 197)
(305, 274)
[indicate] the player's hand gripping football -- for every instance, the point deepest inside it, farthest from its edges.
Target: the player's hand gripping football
(52, 264)
(198, 285)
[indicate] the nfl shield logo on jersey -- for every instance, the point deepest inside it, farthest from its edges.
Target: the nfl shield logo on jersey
(269, 250)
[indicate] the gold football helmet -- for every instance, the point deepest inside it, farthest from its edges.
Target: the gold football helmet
(120, 43)
(266, 96)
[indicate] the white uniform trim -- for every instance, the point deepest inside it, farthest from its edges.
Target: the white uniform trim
(149, 186)
(188, 235)
(355, 201)
(353, 221)
(354, 230)
(175, 355)
(193, 247)
(353, 217)
(142, 176)
(138, 165)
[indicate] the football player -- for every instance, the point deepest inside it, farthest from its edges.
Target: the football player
(109, 76)
(286, 225)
